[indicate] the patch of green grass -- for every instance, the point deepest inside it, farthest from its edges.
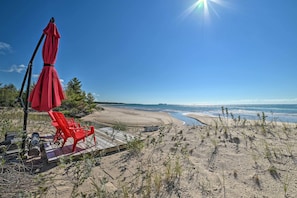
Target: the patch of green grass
(135, 145)
(9, 122)
(120, 126)
(273, 172)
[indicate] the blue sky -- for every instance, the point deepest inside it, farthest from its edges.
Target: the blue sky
(160, 51)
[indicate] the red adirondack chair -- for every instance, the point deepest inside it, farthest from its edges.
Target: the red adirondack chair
(77, 133)
(59, 133)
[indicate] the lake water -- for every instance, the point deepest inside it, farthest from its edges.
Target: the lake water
(276, 112)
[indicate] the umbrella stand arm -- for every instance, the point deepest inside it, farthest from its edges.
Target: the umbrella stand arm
(20, 99)
(28, 72)
(25, 105)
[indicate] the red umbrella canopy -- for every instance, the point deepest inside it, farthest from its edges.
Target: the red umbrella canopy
(48, 93)
(51, 43)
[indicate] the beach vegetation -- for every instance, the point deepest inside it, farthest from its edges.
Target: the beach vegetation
(173, 172)
(262, 118)
(135, 146)
(8, 95)
(78, 103)
(177, 168)
(168, 170)
(238, 121)
(285, 129)
(223, 110)
(148, 184)
(157, 182)
(155, 171)
(275, 154)
(286, 183)
(124, 190)
(273, 120)
(262, 122)
(119, 126)
(205, 187)
(273, 172)
(225, 114)
(289, 148)
(99, 187)
(233, 118)
(216, 126)
(267, 152)
(5, 123)
(244, 122)
(221, 120)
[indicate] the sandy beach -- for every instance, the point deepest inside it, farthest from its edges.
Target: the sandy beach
(130, 117)
(233, 158)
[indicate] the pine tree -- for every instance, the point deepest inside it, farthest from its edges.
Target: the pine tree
(77, 103)
(8, 95)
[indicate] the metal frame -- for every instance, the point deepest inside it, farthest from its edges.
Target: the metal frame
(25, 105)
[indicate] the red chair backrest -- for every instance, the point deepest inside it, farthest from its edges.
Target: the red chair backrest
(51, 114)
(60, 118)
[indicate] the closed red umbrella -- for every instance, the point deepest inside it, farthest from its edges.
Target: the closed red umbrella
(48, 93)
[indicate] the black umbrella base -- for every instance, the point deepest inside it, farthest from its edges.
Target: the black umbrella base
(34, 145)
(12, 141)
(12, 145)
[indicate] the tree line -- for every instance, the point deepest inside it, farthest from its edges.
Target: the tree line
(78, 103)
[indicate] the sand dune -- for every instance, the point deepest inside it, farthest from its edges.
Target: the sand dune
(224, 158)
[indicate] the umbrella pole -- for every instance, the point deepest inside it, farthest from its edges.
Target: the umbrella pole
(26, 104)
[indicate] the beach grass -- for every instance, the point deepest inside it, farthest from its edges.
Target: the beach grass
(227, 158)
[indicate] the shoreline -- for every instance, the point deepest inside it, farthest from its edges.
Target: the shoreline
(143, 118)
(276, 112)
(131, 117)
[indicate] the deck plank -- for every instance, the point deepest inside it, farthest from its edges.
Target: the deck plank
(107, 140)
(115, 134)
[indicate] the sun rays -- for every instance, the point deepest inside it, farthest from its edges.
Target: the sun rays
(204, 9)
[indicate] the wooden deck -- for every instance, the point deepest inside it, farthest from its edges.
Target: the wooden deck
(107, 140)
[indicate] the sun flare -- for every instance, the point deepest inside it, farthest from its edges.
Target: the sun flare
(203, 7)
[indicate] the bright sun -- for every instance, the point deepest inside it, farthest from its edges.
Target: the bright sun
(203, 7)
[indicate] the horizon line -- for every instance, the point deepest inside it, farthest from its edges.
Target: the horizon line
(193, 104)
